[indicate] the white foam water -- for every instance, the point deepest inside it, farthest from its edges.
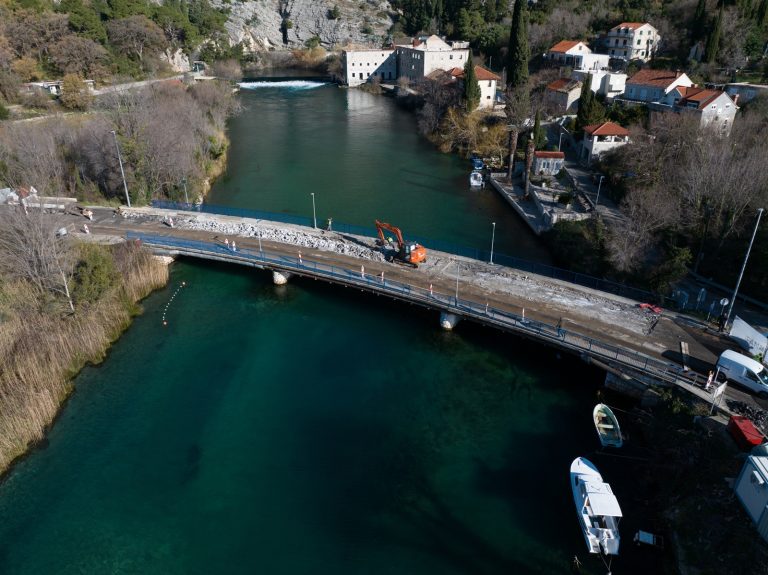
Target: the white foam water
(290, 84)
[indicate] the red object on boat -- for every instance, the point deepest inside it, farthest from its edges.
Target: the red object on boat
(653, 308)
(744, 432)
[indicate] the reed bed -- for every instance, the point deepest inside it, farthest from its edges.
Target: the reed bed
(41, 350)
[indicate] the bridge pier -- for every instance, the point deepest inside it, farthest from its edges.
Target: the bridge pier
(281, 278)
(448, 320)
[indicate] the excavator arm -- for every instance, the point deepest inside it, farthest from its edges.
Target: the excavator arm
(412, 254)
(381, 226)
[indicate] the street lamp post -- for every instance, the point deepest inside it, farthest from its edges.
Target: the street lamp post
(743, 267)
(122, 172)
(493, 237)
(186, 197)
(559, 141)
(457, 283)
(314, 214)
(599, 184)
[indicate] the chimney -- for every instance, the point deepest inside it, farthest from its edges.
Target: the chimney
(678, 73)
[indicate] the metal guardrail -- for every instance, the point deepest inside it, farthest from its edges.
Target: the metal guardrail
(479, 311)
(521, 264)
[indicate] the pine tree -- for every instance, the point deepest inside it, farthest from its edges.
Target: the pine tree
(519, 51)
(713, 40)
(471, 87)
(591, 111)
(539, 134)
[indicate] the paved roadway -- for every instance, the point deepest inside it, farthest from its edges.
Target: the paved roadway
(662, 344)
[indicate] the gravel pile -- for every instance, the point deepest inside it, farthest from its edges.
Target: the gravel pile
(322, 240)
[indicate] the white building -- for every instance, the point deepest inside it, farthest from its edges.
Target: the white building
(751, 488)
(425, 55)
(654, 85)
(568, 53)
(608, 84)
(632, 41)
(714, 109)
(360, 66)
(487, 81)
(599, 138)
(547, 163)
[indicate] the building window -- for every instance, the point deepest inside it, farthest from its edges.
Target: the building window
(450, 57)
(625, 42)
(638, 41)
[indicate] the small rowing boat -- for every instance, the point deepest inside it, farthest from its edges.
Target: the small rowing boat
(607, 426)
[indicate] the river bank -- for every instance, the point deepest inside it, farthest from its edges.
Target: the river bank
(42, 350)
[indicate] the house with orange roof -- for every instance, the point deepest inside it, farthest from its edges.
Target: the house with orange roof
(655, 85)
(632, 41)
(599, 138)
(715, 109)
(562, 96)
(487, 81)
(577, 55)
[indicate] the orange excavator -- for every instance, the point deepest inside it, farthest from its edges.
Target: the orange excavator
(409, 253)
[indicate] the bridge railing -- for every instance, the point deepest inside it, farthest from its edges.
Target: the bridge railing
(521, 264)
(481, 311)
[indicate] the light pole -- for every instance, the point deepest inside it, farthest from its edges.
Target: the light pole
(457, 283)
(599, 184)
(122, 172)
(559, 141)
(743, 266)
(314, 215)
(186, 198)
(493, 237)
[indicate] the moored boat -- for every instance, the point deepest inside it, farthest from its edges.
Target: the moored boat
(607, 426)
(596, 506)
(476, 179)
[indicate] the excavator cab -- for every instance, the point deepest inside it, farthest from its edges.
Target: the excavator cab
(413, 253)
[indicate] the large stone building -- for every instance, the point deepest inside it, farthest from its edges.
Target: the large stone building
(360, 66)
(632, 41)
(425, 55)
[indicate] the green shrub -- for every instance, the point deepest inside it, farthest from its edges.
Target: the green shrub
(95, 273)
(4, 113)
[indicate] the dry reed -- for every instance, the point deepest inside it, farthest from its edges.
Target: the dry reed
(40, 352)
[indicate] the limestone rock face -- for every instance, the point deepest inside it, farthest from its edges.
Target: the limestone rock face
(178, 61)
(258, 24)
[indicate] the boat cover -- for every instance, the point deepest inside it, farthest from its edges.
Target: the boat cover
(601, 499)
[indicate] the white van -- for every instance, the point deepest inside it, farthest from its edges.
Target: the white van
(744, 370)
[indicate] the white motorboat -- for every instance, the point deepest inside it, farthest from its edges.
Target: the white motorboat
(476, 179)
(597, 508)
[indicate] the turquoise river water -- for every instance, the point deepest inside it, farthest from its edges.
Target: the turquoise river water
(309, 429)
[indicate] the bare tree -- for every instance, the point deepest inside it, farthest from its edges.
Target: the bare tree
(135, 35)
(31, 250)
(75, 55)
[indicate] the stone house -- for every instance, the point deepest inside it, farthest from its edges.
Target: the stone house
(425, 55)
(562, 95)
(655, 85)
(361, 66)
(714, 109)
(487, 81)
(599, 138)
(547, 163)
(632, 41)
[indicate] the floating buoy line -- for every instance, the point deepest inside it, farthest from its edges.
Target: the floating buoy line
(170, 301)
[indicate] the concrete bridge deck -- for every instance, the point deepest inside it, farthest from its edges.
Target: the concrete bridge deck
(597, 325)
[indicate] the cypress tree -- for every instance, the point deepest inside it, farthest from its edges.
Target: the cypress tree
(762, 14)
(471, 87)
(519, 51)
(699, 20)
(713, 40)
(539, 135)
(585, 103)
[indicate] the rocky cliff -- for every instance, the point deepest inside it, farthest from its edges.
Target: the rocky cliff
(284, 24)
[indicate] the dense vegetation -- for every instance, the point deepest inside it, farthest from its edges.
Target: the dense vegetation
(169, 135)
(97, 39)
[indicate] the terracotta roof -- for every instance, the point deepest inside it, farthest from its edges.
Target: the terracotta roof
(658, 78)
(564, 45)
(480, 72)
(630, 25)
(543, 154)
(606, 129)
(563, 84)
(700, 96)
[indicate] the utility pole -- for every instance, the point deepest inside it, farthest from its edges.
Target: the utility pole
(493, 237)
(122, 172)
(743, 267)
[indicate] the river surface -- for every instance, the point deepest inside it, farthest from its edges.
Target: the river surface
(309, 429)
